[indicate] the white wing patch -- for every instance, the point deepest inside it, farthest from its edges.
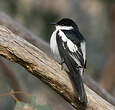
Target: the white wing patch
(76, 60)
(83, 49)
(72, 47)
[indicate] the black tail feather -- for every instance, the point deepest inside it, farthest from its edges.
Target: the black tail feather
(77, 81)
(78, 84)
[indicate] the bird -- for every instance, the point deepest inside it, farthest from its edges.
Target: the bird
(69, 49)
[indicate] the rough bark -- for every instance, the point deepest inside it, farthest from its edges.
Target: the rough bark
(40, 65)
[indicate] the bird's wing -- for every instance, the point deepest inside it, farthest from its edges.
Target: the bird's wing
(76, 46)
(72, 58)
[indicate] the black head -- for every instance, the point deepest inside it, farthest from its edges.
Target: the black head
(67, 22)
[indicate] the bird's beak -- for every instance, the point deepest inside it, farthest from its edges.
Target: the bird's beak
(53, 24)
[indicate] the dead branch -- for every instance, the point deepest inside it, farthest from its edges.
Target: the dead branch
(40, 65)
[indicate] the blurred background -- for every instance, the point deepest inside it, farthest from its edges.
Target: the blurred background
(96, 20)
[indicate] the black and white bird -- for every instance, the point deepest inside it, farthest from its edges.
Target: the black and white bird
(69, 49)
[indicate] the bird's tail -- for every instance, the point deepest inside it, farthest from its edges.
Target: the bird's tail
(78, 83)
(75, 76)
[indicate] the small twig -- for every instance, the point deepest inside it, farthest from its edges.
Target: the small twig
(12, 94)
(9, 75)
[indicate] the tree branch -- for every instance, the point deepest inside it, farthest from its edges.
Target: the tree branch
(40, 65)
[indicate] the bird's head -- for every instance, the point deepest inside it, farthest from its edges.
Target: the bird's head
(66, 24)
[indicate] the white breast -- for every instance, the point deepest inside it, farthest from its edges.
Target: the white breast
(54, 47)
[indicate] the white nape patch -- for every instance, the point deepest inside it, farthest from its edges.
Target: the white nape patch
(83, 49)
(59, 27)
